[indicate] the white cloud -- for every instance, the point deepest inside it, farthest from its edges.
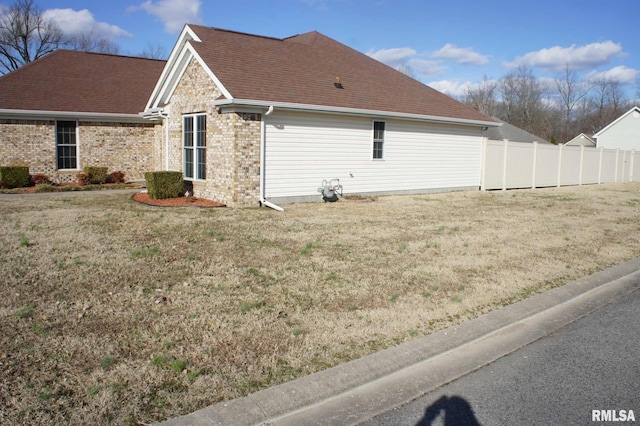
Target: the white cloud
(174, 14)
(425, 68)
(452, 88)
(393, 57)
(424, 65)
(461, 55)
(577, 57)
(74, 22)
(620, 74)
(406, 57)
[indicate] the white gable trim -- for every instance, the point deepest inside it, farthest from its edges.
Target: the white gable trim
(613, 123)
(243, 104)
(181, 55)
(213, 77)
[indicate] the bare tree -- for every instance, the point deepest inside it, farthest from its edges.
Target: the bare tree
(571, 91)
(608, 103)
(25, 35)
(406, 70)
(90, 42)
(154, 51)
(522, 99)
(483, 97)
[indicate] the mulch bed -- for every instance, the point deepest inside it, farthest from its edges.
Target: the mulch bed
(143, 197)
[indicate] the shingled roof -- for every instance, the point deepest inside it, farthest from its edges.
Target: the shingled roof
(512, 133)
(302, 70)
(81, 82)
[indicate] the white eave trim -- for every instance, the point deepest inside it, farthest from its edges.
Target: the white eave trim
(613, 123)
(234, 104)
(186, 34)
(177, 63)
(81, 116)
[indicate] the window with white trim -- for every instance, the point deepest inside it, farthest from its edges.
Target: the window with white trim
(378, 140)
(194, 130)
(66, 145)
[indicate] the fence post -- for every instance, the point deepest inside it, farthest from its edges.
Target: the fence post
(581, 162)
(483, 165)
(504, 165)
(633, 157)
(600, 166)
(560, 164)
(615, 175)
(535, 160)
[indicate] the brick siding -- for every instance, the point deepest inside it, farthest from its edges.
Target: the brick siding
(233, 142)
(126, 147)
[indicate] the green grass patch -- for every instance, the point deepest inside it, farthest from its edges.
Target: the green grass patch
(24, 312)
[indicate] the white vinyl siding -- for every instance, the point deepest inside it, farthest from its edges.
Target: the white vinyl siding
(302, 150)
(623, 134)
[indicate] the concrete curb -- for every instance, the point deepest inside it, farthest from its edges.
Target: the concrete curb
(358, 390)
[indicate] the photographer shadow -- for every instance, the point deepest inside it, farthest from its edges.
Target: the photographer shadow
(455, 409)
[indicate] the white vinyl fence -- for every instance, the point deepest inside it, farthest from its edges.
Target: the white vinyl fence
(508, 165)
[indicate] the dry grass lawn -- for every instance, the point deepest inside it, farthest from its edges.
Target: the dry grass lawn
(114, 312)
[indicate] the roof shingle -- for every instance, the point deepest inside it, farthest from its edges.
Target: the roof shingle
(302, 70)
(73, 81)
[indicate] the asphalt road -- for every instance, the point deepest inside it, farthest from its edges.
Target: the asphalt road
(591, 364)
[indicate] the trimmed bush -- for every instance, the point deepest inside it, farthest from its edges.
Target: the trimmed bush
(115, 177)
(83, 179)
(40, 179)
(164, 184)
(97, 175)
(14, 176)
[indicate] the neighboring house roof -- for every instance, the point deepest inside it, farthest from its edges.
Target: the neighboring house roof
(634, 110)
(582, 140)
(300, 72)
(511, 133)
(80, 83)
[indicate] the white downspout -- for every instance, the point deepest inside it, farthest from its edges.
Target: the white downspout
(263, 158)
(165, 123)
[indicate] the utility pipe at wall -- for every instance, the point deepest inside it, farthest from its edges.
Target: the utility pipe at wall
(165, 123)
(263, 158)
(153, 114)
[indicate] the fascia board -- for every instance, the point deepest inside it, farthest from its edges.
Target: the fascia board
(173, 77)
(210, 73)
(175, 74)
(186, 35)
(233, 104)
(22, 114)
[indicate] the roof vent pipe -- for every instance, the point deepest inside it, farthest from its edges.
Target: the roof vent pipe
(263, 157)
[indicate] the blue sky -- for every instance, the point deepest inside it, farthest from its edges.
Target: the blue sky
(447, 44)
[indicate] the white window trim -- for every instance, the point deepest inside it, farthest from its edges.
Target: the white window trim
(194, 147)
(55, 130)
(373, 139)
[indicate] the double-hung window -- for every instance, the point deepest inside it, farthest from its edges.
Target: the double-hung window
(378, 140)
(195, 146)
(66, 145)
